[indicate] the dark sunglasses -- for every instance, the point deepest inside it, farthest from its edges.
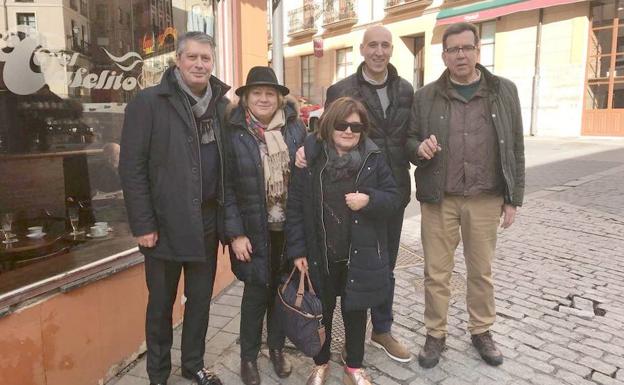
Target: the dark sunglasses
(356, 128)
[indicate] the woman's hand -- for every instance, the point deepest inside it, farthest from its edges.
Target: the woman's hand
(356, 201)
(302, 264)
(241, 247)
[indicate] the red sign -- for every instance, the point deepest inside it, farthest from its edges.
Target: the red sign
(318, 46)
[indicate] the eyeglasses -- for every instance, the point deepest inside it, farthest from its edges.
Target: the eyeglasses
(464, 48)
(356, 128)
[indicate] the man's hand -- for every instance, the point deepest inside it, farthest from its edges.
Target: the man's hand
(300, 159)
(356, 200)
(302, 264)
(508, 212)
(147, 240)
(241, 247)
(429, 147)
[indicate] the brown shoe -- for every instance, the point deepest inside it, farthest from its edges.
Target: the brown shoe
(393, 348)
(487, 348)
(358, 377)
(281, 364)
(249, 373)
(318, 375)
(429, 355)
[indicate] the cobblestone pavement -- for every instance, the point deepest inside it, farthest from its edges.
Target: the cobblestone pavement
(559, 278)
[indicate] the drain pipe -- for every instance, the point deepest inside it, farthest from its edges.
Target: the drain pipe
(536, 75)
(6, 17)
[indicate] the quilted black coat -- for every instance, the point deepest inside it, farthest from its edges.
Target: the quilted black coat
(245, 196)
(368, 276)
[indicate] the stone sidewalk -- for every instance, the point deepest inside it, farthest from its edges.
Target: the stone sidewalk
(559, 278)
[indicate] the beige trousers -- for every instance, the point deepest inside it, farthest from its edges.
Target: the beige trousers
(477, 218)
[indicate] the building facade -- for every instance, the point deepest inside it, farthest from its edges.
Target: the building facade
(564, 55)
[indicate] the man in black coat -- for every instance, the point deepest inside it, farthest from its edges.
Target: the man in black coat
(388, 99)
(172, 171)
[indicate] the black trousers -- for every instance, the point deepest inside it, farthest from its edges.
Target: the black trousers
(162, 277)
(354, 321)
(258, 300)
(381, 316)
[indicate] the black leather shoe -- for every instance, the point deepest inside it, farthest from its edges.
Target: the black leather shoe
(249, 373)
(202, 377)
(281, 364)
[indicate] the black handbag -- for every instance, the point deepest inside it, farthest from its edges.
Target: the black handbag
(301, 313)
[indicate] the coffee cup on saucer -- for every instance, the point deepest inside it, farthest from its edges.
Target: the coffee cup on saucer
(35, 232)
(35, 229)
(98, 231)
(103, 225)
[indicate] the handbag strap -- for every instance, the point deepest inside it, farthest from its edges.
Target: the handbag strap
(303, 276)
(285, 284)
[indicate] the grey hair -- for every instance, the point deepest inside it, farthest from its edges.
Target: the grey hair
(199, 37)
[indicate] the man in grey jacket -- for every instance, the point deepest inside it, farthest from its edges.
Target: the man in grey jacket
(172, 170)
(466, 139)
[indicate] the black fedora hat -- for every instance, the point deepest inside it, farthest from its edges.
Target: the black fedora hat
(262, 76)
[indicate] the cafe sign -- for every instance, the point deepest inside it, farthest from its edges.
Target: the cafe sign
(29, 65)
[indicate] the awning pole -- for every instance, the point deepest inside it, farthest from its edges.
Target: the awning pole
(536, 75)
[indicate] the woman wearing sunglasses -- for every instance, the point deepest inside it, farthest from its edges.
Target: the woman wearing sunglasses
(336, 228)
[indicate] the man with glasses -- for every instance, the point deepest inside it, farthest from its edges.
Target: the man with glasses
(466, 139)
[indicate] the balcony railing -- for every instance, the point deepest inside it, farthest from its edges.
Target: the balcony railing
(339, 13)
(301, 21)
(394, 6)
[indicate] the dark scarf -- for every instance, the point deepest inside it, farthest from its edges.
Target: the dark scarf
(342, 167)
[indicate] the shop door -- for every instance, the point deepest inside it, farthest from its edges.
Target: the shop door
(604, 89)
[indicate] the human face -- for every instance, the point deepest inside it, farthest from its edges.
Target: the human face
(195, 64)
(461, 65)
(262, 102)
(376, 48)
(345, 141)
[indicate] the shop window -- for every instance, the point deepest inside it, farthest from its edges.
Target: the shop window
(307, 75)
(62, 116)
(605, 59)
(27, 19)
(419, 62)
(84, 7)
(487, 33)
(344, 63)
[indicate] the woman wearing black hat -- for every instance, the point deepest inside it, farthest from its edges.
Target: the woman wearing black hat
(265, 132)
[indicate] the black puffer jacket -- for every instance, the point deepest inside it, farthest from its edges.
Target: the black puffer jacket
(245, 196)
(368, 273)
(389, 134)
(160, 168)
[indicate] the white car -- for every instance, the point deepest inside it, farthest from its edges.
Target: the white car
(313, 119)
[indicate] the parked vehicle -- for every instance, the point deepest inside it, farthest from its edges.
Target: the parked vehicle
(306, 109)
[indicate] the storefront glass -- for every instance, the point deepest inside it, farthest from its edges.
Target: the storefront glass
(66, 74)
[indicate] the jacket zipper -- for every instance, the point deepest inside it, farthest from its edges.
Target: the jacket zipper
(356, 182)
(323, 211)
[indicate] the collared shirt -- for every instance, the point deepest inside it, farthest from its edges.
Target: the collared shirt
(473, 159)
